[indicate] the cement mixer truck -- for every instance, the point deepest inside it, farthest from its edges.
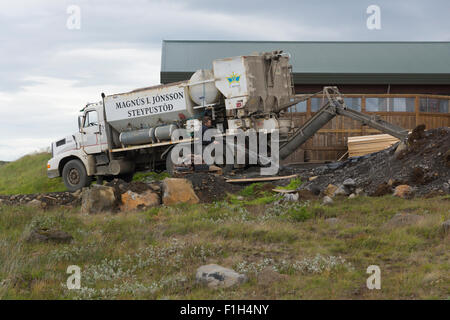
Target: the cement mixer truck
(132, 131)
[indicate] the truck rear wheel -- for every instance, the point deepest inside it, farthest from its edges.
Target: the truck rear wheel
(75, 176)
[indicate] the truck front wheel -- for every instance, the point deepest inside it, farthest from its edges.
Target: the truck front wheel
(75, 176)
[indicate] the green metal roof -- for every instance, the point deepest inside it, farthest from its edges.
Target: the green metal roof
(322, 62)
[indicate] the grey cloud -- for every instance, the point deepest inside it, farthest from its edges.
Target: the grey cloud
(34, 35)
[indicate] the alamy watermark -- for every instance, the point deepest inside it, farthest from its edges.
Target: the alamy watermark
(74, 280)
(374, 280)
(74, 19)
(374, 20)
(236, 147)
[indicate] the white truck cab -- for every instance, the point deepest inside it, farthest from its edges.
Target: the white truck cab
(71, 156)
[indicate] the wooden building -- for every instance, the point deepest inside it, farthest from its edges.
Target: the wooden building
(406, 83)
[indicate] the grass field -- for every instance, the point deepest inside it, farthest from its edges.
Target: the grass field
(28, 175)
(154, 254)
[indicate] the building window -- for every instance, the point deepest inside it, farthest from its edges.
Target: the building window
(401, 104)
(316, 104)
(299, 107)
(376, 104)
(390, 104)
(433, 105)
(353, 103)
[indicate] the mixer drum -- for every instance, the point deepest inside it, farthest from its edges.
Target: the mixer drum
(202, 91)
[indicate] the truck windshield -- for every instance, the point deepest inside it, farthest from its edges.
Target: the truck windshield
(90, 119)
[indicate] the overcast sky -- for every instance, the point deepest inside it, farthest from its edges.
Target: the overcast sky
(48, 72)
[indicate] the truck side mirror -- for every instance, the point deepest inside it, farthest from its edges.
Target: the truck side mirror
(80, 122)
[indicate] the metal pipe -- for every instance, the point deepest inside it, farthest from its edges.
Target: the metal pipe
(321, 118)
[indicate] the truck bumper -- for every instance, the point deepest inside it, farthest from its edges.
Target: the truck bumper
(53, 173)
(52, 168)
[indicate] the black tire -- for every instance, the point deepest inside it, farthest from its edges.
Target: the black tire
(75, 176)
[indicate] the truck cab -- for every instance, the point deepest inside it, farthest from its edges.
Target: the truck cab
(73, 156)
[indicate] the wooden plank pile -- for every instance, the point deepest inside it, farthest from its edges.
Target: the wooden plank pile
(362, 145)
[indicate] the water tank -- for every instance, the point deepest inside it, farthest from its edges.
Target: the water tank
(201, 91)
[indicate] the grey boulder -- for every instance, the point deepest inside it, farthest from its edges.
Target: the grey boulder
(98, 199)
(215, 276)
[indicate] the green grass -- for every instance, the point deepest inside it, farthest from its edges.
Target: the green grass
(293, 184)
(252, 189)
(154, 254)
(150, 176)
(28, 175)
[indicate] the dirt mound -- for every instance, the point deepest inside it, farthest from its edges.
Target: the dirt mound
(210, 187)
(424, 165)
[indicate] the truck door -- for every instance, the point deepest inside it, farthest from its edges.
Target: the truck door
(90, 133)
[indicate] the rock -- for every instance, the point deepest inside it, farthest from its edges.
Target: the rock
(403, 191)
(382, 189)
(215, 276)
(314, 190)
(349, 183)
(327, 200)
(332, 221)
(352, 196)
(155, 187)
(215, 169)
(330, 190)
(98, 198)
(401, 150)
(447, 159)
(176, 190)
(1, 201)
(291, 197)
(341, 191)
(240, 198)
(359, 191)
(77, 194)
(418, 133)
(306, 194)
(133, 201)
(46, 235)
(446, 227)
(403, 219)
(268, 276)
(36, 204)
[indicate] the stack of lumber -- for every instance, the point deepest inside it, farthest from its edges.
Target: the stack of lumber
(362, 145)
